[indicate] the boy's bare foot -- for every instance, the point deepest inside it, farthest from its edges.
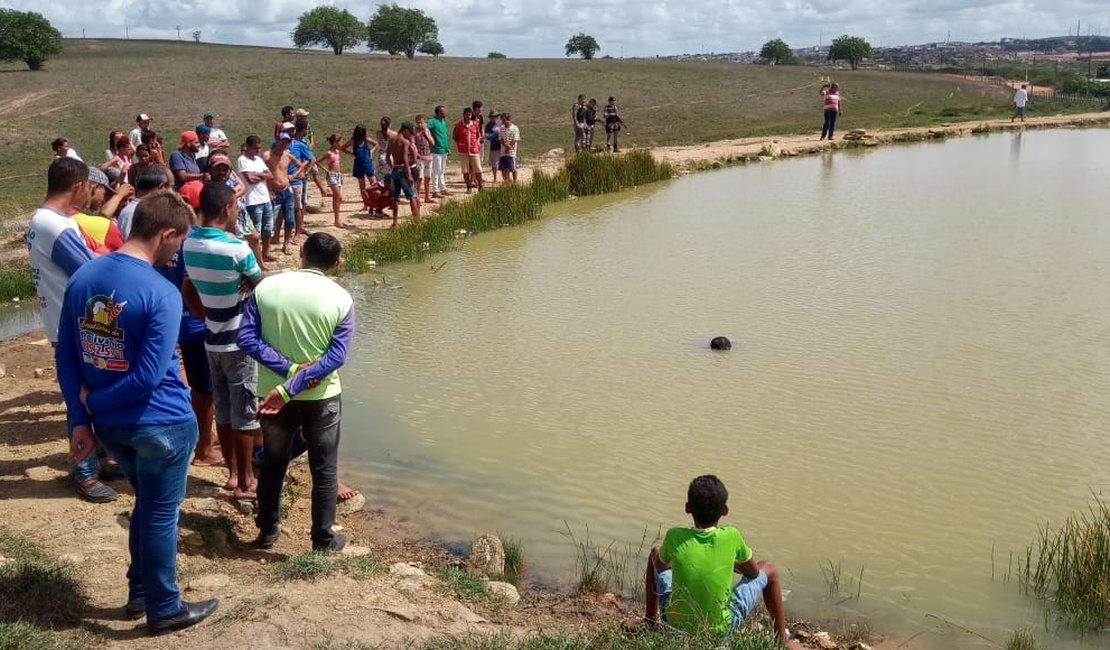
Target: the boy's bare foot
(244, 495)
(285, 249)
(340, 224)
(269, 258)
(346, 493)
(211, 460)
(232, 484)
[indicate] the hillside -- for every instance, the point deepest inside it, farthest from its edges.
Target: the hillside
(97, 86)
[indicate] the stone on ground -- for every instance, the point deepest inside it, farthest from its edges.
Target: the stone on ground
(354, 504)
(504, 590)
(43, 473)
(464, 614)
(487, 556)
(353, 550)
(403, 612)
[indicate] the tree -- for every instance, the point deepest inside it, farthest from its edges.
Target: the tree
(29, 37)
(777, 52)
(399, 30)
(329, 27)
(431, 46)
(196, 35)
(852, 49)
(583, 45)
(496, 55)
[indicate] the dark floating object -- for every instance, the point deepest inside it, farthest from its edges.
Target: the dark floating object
(721, 343)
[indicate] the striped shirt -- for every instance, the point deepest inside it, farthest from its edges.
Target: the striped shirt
(217, 263)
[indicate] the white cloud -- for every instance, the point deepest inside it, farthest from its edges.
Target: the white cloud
(540, 28)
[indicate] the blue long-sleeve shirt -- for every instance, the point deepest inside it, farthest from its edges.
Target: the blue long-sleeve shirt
(117, 335)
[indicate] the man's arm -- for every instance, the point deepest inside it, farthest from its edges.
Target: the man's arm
(67, 359)
(150, 365)
(69, 251)
(251, 342)
(333, 359)
(112, 205)
(191, 297)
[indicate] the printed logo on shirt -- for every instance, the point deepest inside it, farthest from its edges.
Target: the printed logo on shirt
(101, 340)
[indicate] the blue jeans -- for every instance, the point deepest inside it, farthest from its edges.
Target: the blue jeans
(741, 602)
(88, 468)
(155, 460)
(285, 207)
(830, 124)
(262, 216)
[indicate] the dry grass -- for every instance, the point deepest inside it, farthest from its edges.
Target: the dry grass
(97, 86)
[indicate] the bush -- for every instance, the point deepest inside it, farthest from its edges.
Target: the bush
(16, 284)
(29, 37)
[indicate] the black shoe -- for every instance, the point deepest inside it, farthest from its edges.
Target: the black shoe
(190, 614)
(267, 538)
(134, 611)
(111, 471)
(97, 492)
(337, 543)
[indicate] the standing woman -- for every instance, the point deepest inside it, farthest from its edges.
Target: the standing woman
(113, 143)
(383, 136)
(832, 109)
(362, 149)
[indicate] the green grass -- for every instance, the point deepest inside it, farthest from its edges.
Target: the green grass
(604, 638)
(593, 174)
(1068, 568)
(663, 102)
(363, 567)
(1022, 640)
(461, 584)
(514, 559)
(313, 565)
(249, 609)
(612, 567)
(333, 644)
(16, 284)
(25, 636)
(36, 588)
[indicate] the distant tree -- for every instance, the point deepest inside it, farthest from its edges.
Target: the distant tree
(29, 37)
(777, 52)
(329, 27)
(196, 35)
(1102, 71)
(399, 30)
(583, 45)
(852, 49)
(431, 46)
(496, 55)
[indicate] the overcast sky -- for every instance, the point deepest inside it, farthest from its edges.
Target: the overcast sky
(540, 28)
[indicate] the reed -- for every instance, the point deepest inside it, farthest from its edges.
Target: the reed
(16, 284)
(1068, 568)
(590, 173)
(613, 567)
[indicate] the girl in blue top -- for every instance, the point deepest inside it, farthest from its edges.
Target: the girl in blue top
(362, 149)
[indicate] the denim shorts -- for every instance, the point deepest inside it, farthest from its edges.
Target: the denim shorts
(335, 178)
(262, 216)
(401, 183)
(285, 207)
(507, 164)
(744, 596)
(235, 389)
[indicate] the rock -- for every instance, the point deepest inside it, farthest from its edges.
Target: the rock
(210, 582)
(3, 371)
(39, 372)
(406, 614)
(859, 645)
(824, 641)
(4, 561)
(464, 614)
(206, 504)
(245, 506)
(194, 541)
(351, 506)
(610, 599)
(219, 542)
(556, 153)
(504, 590)
(352, 550)
(404, 570)
(487, 556)
(860, 132)
(370, 264)
(765, 159)
(15, 299)
(43, 473)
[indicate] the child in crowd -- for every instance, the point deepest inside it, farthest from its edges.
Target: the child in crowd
(424, 141)
(689, 578)
(362, 149)
(335, 176)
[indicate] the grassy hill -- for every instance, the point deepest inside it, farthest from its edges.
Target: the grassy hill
(100, 85)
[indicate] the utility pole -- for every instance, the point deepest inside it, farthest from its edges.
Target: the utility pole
(82, 32)
(127, 32)
(178, 28)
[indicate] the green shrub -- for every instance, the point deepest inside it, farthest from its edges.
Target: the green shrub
(306, 566)
(24, 636)
(461, 584)
(16, 284)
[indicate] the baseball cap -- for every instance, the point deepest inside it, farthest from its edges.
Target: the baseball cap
(288, 126)
(218, 159)
(187, 137)
(141, 116)
(190, 191)
(96, 175)
(494, 113)
(203, 128)
(300, 112)
(207, 115)
(284, 136)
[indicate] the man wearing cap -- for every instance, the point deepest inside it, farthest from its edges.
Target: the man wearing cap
(57, 249)
(101, 234)
(306, 160)
(217, 139)
(183, 162)
(142, 121)
(285, 123)
(203, 132)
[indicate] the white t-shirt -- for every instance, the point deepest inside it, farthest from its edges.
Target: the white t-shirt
(257, 193)
(510, 137)
(57, 249)
(217, 135)
(126, 215)
(136, 137)
(1020, 97)
(71, 153)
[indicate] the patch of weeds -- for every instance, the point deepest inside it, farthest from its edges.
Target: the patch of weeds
(291, 493)
(25, 636)
(910, 137)
(16, 284)
(982, 129)
(461, 584)
(333, 644)
(1022, 640)
(249, 609)
(514, 559)
(363, 567)
(614, 567)
(313, 565)
(605, 638)
(36, 588)
(17, 547)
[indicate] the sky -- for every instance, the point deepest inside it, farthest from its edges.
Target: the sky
(540, 28)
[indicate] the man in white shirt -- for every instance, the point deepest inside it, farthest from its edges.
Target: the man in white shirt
(252, 168)
(217, 139)
(63, 150)
(142, 123)
(1020, 98)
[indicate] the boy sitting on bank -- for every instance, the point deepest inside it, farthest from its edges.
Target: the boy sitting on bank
(689, 577)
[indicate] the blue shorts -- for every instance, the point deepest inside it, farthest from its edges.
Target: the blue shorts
(507, 164)
(262, 216)
(401, 183)
(744, 596)
(1021, 110)
(195, 359)
(285, 207)
(363, 170)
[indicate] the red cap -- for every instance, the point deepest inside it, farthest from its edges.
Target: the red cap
(190, 191)
(187, 136)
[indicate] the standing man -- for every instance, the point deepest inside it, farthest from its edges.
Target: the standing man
(217, 139)
(510, 138)
(298, 326)
(118, 367)
(151, 179)
(259, 209)
(468, 144)
(298, 170)
(578, 117)
(614, 124)
(1021, 96)
(183, 162)
(218, 263)
(142, 123)
(301, 116)
(402, 157)
(57, 249)
(279, 161)
(440, 146)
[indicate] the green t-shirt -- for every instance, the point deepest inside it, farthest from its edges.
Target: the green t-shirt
(438, 128)
(703, 562)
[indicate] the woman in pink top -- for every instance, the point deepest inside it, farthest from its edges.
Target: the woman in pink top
(832, 109)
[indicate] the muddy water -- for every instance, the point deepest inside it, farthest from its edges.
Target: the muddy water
(920, 372)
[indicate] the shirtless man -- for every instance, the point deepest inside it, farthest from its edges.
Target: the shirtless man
(279, 161)
(402, 157)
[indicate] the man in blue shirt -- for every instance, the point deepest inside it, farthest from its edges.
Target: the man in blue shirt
(303, 153)
(183, 162)
(118, 369)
